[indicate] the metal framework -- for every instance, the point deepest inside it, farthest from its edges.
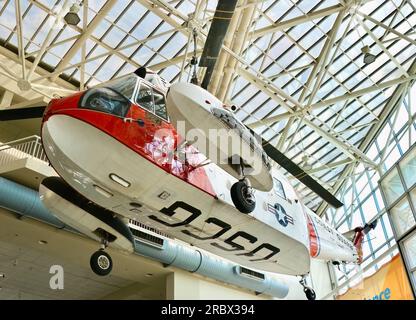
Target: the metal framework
(294, 67)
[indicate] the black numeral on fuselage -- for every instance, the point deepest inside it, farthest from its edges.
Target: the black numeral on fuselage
(232, 245)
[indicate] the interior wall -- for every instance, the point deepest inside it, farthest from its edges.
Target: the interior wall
(183, 285)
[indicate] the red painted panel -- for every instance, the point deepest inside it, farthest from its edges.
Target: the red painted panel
(146, 134)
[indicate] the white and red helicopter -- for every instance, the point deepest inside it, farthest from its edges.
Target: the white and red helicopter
(121, 157)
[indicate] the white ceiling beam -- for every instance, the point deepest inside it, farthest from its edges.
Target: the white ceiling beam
(41, 101)
(328, 102)
(100, 43)
(330, 166)
(316, 76)
(320, 69)
(392, 104)
(52, 45)
(51, 32)
(397, 33)
(296, 21)
(361, 92)
(273, 119)
(201, 39)
(381, 45)
(105, 9)
(12, 63)
(112, 51)
(349, 150)
(173, 61)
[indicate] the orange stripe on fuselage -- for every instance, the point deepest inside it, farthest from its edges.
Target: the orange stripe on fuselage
(313, 238)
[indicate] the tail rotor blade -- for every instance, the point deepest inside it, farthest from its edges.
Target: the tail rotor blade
(300, 174)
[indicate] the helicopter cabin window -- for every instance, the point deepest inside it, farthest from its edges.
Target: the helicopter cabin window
(278, 188)
(105, 100)
(160, 105)
(145, 97)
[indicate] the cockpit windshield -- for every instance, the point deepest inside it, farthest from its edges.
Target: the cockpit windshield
(124, 85)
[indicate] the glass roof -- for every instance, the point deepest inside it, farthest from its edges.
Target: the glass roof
(300, 81)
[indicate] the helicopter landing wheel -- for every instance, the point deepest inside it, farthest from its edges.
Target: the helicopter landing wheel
(101, 263)
(242, 196)
(310, 293)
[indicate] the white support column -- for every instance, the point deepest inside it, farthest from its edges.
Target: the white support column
(84, 45)
(222, 59)
(238, 45)
(6, 99)
(21, 47)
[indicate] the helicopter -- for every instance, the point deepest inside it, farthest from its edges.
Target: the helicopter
(140, 149)
(120, 158)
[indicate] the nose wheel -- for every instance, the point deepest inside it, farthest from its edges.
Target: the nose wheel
(309, 292)
(242, 196)
(101, 262)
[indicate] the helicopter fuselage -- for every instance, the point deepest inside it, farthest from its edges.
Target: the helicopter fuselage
(122, 161)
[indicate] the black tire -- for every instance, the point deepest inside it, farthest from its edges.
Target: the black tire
(101, 263)
(238, 195)
(310, 293)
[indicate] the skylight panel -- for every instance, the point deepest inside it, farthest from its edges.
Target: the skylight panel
(129, 19)
(114, 37)
(8, 17)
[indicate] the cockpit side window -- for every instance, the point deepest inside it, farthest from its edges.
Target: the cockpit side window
(278, 188)
(160, 105)
(105, 100)
(124, 85)
(145, 97)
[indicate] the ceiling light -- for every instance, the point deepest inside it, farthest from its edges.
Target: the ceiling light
(368, 56)
(72, 17)
(306, 165)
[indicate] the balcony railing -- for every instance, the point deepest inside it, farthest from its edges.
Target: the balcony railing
(29, 147)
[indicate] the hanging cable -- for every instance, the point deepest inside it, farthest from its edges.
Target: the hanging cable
(194, 60)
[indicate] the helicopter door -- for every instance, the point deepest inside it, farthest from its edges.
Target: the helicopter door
(150, 126)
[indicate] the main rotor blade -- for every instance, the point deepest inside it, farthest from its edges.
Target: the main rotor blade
(22, 113)
(219, 26)
(300, 174)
